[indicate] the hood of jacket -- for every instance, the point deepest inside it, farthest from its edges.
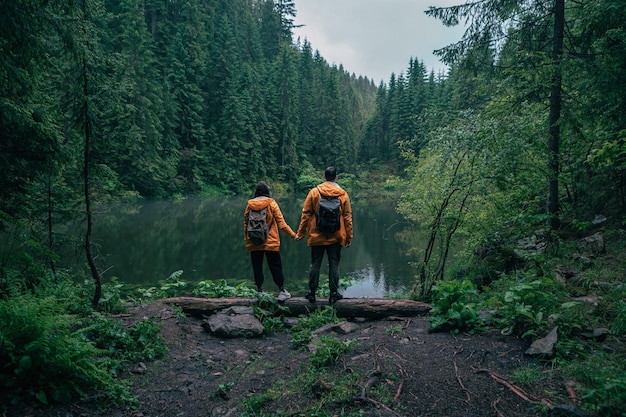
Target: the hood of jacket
(330, 189)
(259, 203)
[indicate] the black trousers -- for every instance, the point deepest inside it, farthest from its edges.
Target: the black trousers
(334, 256)
(273, 261)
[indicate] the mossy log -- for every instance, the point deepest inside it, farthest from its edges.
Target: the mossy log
(374, 308)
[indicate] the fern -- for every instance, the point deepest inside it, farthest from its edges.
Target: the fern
(43, 358)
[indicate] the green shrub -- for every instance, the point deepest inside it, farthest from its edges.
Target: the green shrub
(523, 303)
(603, 387)
(453, 307)
(221, 289)
(142, 341)
(171, 287)
(43, 358)
(270, 312)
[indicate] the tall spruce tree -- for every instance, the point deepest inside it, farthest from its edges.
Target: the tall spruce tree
(490, 23)
(30, 138)
(133, 127)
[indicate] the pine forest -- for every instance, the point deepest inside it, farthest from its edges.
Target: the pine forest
(522, 138)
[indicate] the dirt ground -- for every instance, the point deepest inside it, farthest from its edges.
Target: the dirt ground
(395, 368)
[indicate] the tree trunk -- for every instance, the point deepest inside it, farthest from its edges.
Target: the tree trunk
(555, 116)
(374, 308)
(87, 179)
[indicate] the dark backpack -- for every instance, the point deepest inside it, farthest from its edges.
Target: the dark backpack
(257, 226)
(328, 214)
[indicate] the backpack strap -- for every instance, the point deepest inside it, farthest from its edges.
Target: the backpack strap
(325, 196)
(269, 208)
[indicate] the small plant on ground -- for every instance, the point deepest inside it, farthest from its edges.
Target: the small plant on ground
(270, 312)
(454, 307)
(44, 358)
(255, 404)
(602, 388)
(394, 330)
(221, 289)
(523, 302)
(327, 350)
(142, 341)
(172, 286)
(301, 333)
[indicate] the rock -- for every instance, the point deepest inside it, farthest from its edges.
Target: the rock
(544, 347)
(563, 274)
(599, 219)
(598, 334)
(591, 246)
(537, 243)
(345, 327)
(140, 368)
(236, 321)
(590, 299)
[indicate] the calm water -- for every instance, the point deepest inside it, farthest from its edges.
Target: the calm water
(145, 243)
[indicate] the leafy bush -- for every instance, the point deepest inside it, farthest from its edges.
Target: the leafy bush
(43, 358)
(603, 387)
(142, 341)
(221, 289)
(270, 312)
(523, 302)
(453, 309)
(172, 287)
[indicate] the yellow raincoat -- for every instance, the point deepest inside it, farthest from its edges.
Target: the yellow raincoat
(309, 209)
(275, 221)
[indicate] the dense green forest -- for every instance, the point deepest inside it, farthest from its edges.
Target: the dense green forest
(109, 100)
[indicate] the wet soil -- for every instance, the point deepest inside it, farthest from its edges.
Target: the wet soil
(394, 367)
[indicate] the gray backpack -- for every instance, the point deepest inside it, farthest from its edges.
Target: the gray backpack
(257, 226)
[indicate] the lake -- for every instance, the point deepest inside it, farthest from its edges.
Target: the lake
(144, 243)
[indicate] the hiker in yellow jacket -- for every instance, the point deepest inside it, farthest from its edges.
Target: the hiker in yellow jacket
(329, 242)
(270, 246)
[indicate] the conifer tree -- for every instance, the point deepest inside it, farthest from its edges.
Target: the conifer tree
(490, 23)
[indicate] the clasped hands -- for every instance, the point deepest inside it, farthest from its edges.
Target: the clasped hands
(299, 238)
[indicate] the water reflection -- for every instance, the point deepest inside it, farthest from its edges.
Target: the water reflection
(143, 244)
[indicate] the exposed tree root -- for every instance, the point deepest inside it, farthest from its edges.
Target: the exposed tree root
(458, 378)
(494, 405)
(373, 379)
(399, 391)
(571, 392)
(513, 388)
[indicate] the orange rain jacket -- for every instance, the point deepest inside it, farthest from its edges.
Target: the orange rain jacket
(275, 220)
(310, 208)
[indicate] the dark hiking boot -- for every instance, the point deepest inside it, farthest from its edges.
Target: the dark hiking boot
(334, 297)
(310, 296)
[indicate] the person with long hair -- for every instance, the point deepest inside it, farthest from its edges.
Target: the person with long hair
(269, 248)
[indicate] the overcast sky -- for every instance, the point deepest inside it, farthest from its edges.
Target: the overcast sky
(374, 38)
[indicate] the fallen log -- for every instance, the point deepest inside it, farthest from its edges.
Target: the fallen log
(373, 308)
